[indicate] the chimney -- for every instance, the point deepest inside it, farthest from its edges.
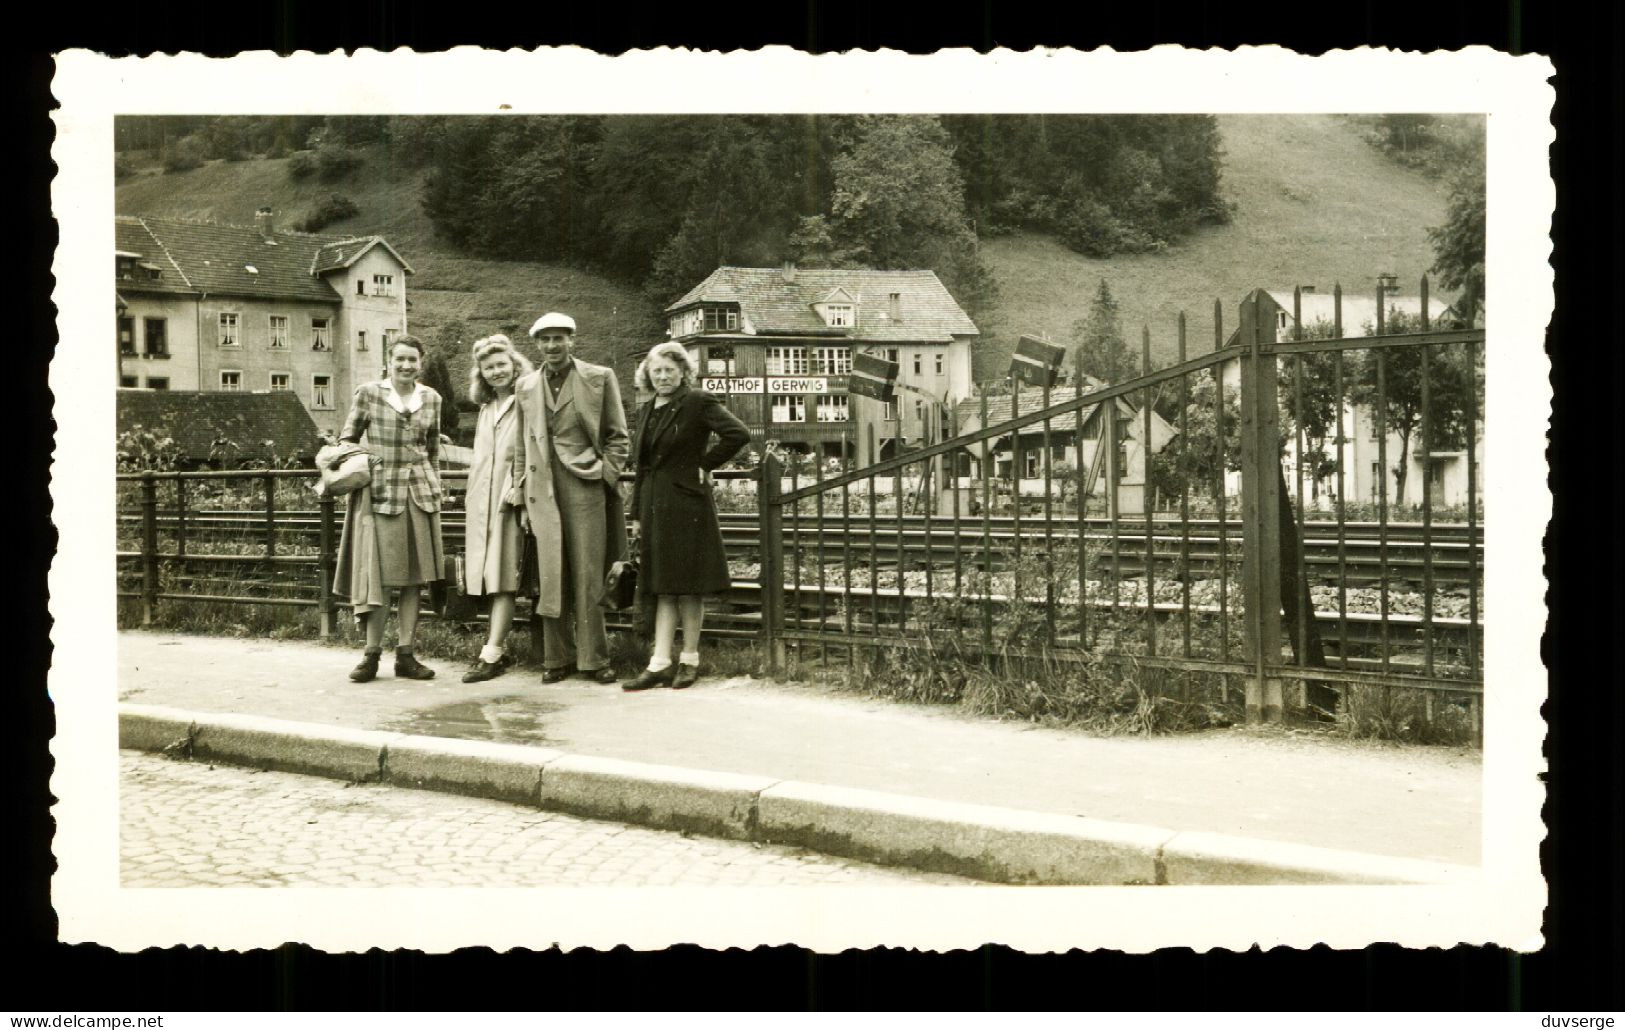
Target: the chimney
(789, 271)
(267, 224)
(894, 307)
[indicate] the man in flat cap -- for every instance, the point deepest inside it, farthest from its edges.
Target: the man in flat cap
(574, 445)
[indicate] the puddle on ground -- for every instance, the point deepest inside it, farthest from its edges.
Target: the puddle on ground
(508, 720)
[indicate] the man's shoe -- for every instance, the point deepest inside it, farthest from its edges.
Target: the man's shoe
(367, 670)
(408, 667)
(483, 670)
(554, 675)
(650, 678)
(604, 675)
(686, 675)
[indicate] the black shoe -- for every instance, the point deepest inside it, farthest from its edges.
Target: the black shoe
(649, 678)
(408, 667)
(605, 675)
(686, 675)
(483, 670)
(554, 675)
(367, 670)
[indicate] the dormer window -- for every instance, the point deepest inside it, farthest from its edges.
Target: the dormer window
(840, 315)
(126, 267)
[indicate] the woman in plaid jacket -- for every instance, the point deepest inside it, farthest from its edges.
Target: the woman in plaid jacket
(391, 535)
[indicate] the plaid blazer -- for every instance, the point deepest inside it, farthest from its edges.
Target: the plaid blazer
(405, 447)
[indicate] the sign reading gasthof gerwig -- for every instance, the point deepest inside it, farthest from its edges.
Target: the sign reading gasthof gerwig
(775, 384)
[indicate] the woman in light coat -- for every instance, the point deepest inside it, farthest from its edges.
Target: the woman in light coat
(495, 539)
(682, 559)
(391, 535)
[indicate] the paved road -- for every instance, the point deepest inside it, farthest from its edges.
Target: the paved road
(185, 824)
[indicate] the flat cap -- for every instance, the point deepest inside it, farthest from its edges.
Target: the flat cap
(554, 320)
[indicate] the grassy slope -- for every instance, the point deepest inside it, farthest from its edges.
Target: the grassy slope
(1314, 204)
(488, 296)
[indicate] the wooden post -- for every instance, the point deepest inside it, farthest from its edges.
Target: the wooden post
(325, 569)
(771, 576)
(270, 515)
(1260, 511)
(149, 547)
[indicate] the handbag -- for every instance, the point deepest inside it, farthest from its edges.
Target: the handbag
(345, 468)
(620, 585)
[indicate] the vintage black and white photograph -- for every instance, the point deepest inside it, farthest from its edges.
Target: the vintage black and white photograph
(908, 513)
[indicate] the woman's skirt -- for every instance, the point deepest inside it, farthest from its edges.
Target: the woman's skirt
(410, 552)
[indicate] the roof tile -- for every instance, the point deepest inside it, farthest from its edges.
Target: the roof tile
(773, 306)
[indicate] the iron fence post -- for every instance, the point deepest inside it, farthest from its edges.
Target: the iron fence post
(325, 569)
(771, 576)
(1260, 511)
(149, 547)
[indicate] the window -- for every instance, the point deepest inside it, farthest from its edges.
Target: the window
(228, 329)
(361, 339)
(230, 379)
(833, 409)
(1030, 463)
(839, 315)
(383, 286)
(834, 361)
(917, 360)
(938, 359)
(321, 391)
(279, 381)
(919, 409)
(389, 339)
(789, 409)
(126, 267)
(126, 382)
(279, 332)
(126, 336)
(717, 320)
(318, 334)
(157, 382)
(361, 287)
(157, 335)
(787, 361)
(719, 363)
(888, 411)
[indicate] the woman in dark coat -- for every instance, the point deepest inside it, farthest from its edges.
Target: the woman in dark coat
(682, 558)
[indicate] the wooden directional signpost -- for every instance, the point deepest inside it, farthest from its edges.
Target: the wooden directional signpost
(1037, 362)
(872, 376)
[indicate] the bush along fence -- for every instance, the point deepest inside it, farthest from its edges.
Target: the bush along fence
(1016, 566)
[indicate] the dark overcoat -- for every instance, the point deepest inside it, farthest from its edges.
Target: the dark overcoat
(681, 540)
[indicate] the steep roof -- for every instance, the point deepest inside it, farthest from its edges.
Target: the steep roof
(330, 257)
(1032, 399)
(217, 259)
(258, 425)
(1358, 309)
(772, 306)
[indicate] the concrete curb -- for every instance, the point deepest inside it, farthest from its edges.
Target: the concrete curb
(996, 844)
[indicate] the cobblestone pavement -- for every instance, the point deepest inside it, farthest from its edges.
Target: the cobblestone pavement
(185, 824)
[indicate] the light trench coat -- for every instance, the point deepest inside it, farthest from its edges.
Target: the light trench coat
(598, 399)
(490, 477)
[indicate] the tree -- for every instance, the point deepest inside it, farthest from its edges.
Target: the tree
(1451, 388)
(1192, 458)
(1098, 347)
(1458, 244)
(1316, 381)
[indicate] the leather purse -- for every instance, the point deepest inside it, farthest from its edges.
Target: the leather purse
(620, 585)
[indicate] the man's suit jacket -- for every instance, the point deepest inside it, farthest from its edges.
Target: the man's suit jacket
(598, 400)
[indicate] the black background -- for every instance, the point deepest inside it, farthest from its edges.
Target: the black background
(1577, 971)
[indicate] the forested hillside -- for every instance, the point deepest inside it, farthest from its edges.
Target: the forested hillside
(1024, 216)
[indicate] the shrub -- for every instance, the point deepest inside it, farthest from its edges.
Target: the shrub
(186, 154)
(335, 162)
(302, 165)
(123, 167)
(336, 207)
